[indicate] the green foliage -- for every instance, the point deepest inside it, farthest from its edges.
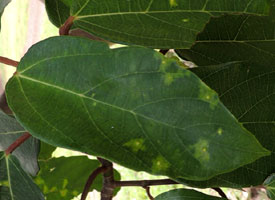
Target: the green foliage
(3, 4)
(183, 194)
(15, 184)
(212, 126)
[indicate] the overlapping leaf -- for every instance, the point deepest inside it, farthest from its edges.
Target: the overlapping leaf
(249, 93)
(65, 177)
(235, 38)
(3, 4)
(58, 11)
(270, 186)
(157, 24)
(184, 194)
(130, 105)
(15, 184)
(26, 153)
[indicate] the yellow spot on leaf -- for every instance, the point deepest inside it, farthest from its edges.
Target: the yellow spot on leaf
(220, 131)
(65, 183)
(200, 150)
(186, 20)
(135, 145)
(4, 183)
(75, 193)
(173, 3)
(208, 95)
(160, 164)
(94, 104)
(63, 192)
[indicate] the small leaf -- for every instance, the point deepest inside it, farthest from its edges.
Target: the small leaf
(156, 24)
(248, 91)
(3, 4)
(65, 178)
(27, 152)
(130, 105)
(58, 11)
(270, 186)
(184, 194)
(15, 184)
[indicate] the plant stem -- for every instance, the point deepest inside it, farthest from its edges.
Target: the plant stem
(17, 143)
(144, 183)
(65, 28)
(4, 104)
(148, 193)
(8, 61)
(221, 193)
(90, 181)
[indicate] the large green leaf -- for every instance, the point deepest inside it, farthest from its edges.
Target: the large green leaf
(58, 11)
(270, 186)
(15, 184)
(3, 4)
(249, 93)
(157, 24)
(130, 105)
(65, 177)
(235, 38)
(27, 152)
(184, 194)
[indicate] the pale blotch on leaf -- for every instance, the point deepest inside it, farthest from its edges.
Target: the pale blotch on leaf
(53, 189)
(4, 183)
(135, 145)
(75, 193)
(173, 3)
(220, 131)
(186, 20)
(160, 164)
(94, 104)
(65, 183)
(63, 192)
(200, 150)
(208, 95)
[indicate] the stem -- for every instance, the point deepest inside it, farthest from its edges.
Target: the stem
(90, 181)
(8, 61)
(221, 193)
(148, 193)
(4, 104)
(144, 183)
(17, 143)
(65, 28)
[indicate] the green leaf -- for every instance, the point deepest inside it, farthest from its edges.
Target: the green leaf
(3, 4)
(58, 11)
(184, 194)
(15, 184)
(130, 105)
(46, 151)
(249, 93)
(156, 24)
(27, 152)
(235, 38)
(65, 178)
(270, 186)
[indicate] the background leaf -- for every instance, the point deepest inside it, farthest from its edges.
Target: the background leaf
(156, 24)
(26, 153)
(3, 4)
(65, 177)
(130, 105)
(270, 186)
(249, 93)
(58, 11)
(184, 194)
(15, 184)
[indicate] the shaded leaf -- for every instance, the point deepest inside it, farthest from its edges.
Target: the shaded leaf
(15, 184)
(27, 152)
(130, 105)
(46, 151)
(157, 24)
(235, 38)
(3, 4)
(270, 186)
(58, 11)
(249, 93)
(184, 194)
(65, 178)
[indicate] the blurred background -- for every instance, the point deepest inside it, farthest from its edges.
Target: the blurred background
(25, 23)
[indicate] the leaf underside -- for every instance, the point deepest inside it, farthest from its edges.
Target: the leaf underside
(270, 186)
(129, 105)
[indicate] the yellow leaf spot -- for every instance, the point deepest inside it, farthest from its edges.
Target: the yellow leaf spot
(160, 164)
(200, 150)
(135, 145)
(94, 104)
(173, 3)
(186, 20)
(65, 183)
(63, 193)
(220, 131)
